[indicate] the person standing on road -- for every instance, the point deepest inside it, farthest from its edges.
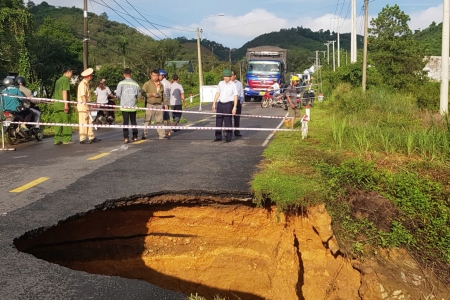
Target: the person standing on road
(237, 116)
(176, 96)
(63, 111)
(103, 94)
(166, 84)
(83, 97)
(291, 95)
(227, 98)
(153, 91)
(128, 91)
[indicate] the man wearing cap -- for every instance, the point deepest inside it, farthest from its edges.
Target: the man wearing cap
(63, 112)
(237, 116)
(153, 91)
(291, 95)
(226, 99)
(83, 97)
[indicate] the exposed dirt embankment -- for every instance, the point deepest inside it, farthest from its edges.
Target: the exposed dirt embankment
(208, 245)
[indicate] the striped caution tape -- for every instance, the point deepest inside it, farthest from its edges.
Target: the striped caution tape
(96, 105)
(7, 123)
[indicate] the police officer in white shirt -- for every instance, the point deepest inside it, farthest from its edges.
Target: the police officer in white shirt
(240, 90)
(227, 100)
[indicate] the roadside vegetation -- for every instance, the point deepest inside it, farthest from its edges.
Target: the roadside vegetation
(379, 160)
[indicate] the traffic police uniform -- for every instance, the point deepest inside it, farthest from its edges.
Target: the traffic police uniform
(83, 109)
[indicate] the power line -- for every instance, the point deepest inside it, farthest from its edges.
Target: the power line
(145, 18)
(120, 16)
(119, 12)
(160, 17)
(136, 20)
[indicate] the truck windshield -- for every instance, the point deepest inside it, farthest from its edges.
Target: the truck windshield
(263, 67)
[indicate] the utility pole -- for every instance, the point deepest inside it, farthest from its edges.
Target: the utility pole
(443, 108)
(338, 41)
(346, 61)
(353, 47)
(366, 33)
(229, 57)
(328, 51)
(324, 53)
(334, 61)
(317, 60)
(85, 38)
(200, 70)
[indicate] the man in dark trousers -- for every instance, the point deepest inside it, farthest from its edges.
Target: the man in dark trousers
(226, 99)
(237, 116)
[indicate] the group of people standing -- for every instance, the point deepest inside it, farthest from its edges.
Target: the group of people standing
(158, 93)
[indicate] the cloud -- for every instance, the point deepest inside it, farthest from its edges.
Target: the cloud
(423, 19)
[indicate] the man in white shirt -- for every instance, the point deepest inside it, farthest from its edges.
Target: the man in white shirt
(163, 79)
(276, 88)
(176, 96)
(226, 99)
(237, 116)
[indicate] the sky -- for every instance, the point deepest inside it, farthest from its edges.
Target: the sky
(235, 22)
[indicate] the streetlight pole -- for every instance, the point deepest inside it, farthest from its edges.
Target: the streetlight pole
(199, 52)
(443, 108)
(366, 33)
(85, 38)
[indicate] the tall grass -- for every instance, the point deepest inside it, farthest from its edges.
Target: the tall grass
(387, 122)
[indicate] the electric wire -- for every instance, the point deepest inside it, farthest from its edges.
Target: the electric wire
(122, 13)
(159, 17)
(133, 26)
(145, 18)
(136, 20)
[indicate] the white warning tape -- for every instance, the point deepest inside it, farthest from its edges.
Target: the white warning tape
(145, 108)
(7, 123)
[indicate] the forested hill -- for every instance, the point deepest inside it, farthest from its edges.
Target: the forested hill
(431, 39)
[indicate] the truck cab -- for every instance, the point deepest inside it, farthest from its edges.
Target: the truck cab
(265, 66)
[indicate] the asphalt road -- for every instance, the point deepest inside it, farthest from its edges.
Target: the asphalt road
(76, 178)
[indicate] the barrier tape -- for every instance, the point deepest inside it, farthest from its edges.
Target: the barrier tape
(144, 108)
(7, 123)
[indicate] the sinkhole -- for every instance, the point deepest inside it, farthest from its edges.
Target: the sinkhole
(209, 244)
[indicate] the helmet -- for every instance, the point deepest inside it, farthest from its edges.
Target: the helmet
(295, 78)
(21, 81)
(162, 73)
(8, 81)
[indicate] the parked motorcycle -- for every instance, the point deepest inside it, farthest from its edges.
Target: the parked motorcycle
(102, 116)
(15, 133)
(267, 101)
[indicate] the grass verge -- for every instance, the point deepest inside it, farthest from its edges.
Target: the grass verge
(381, 167)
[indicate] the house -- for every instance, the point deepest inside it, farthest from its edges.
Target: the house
(433, 67)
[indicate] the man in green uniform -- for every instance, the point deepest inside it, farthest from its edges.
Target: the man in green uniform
(63, 114)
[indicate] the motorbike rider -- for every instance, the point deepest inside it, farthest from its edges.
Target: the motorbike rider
(276, 88)
(15, 104)
(104, 95)
(36, 113)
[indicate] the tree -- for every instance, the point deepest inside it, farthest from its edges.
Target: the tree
(395, 53)
(53, 46)
(15, 28)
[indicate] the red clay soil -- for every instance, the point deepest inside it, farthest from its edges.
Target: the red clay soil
(232, 249)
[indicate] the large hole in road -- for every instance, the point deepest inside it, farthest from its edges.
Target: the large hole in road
(211, 245)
